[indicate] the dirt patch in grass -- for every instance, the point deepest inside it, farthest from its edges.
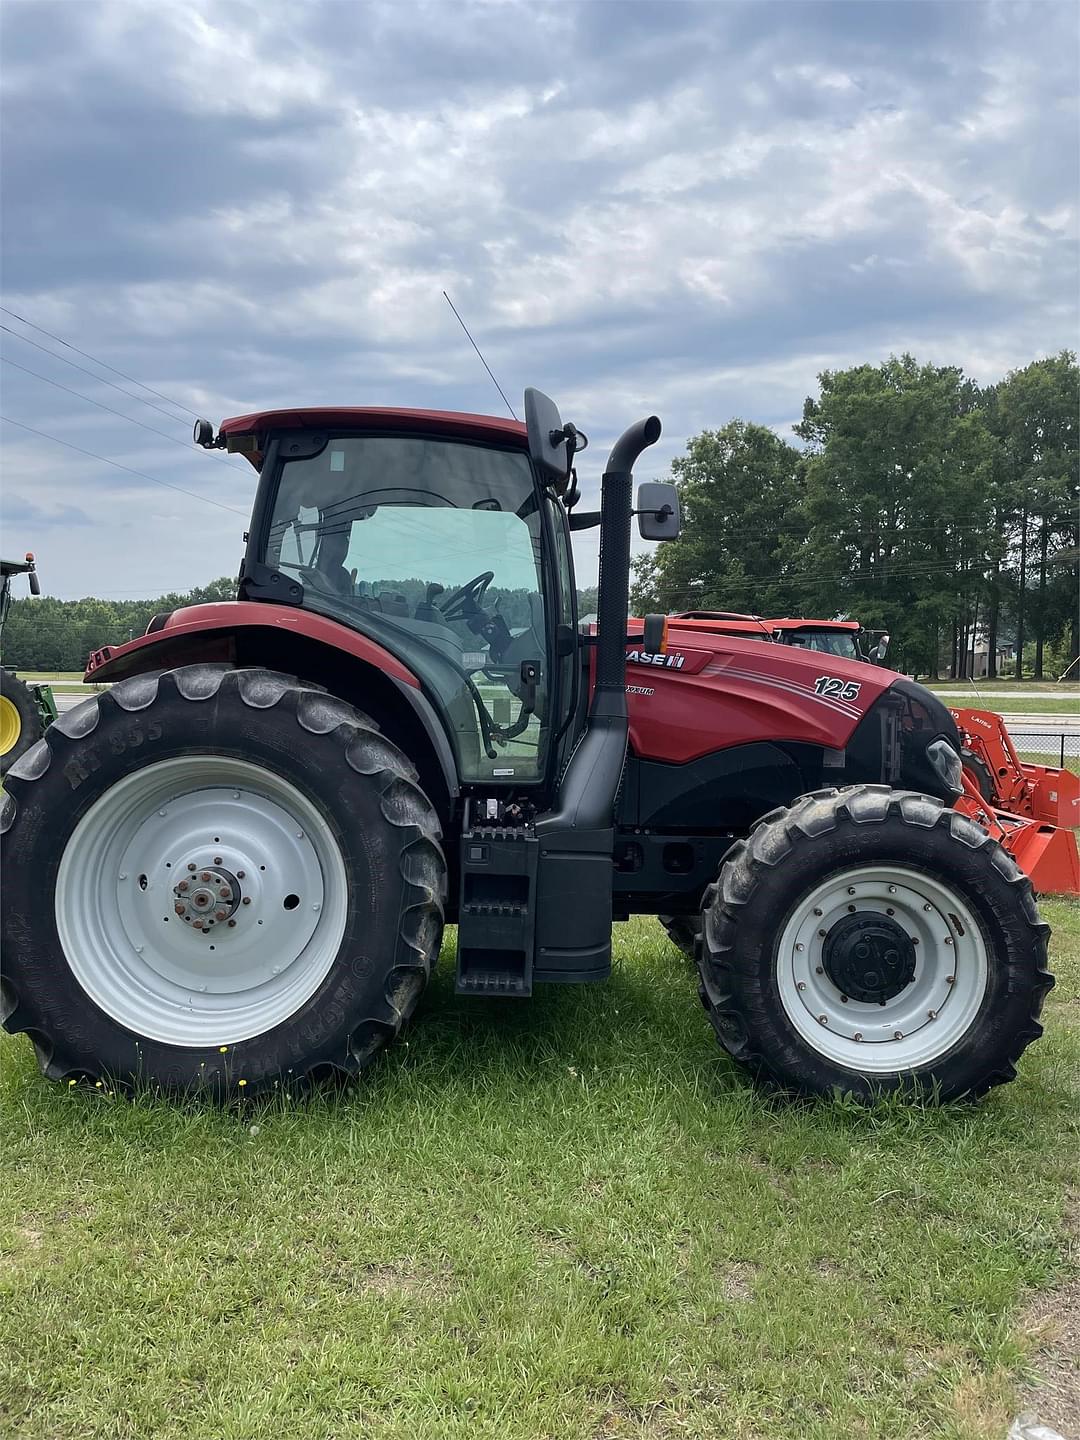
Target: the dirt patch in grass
(1052, 1321)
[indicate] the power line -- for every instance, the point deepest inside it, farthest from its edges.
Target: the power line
(41, 434)
(87, 356)
(184, 444)
(25, 339)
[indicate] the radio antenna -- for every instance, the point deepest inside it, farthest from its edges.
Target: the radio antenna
(483, 362)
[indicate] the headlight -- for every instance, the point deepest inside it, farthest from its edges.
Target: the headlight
(947, 763)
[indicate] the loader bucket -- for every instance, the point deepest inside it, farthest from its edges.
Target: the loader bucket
(1046, 853)
(1055, 795)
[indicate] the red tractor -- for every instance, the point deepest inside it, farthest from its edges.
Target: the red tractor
(233, 867)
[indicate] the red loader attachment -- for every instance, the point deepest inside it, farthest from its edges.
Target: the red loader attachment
(1031, 809)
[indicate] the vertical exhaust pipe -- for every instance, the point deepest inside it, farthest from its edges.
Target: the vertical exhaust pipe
(586, 799)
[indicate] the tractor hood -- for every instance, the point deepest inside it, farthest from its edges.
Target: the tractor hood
(709, 691)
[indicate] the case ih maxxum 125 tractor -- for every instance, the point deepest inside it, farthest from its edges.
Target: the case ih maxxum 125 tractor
(233, 867)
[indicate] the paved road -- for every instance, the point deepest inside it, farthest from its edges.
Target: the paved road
(1017, 724)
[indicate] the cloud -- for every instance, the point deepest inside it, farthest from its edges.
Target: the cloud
(691, 207)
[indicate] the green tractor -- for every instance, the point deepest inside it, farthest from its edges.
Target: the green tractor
(25, 710)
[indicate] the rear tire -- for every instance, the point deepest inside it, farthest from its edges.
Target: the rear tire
(20, 719)
(909, 907)
(683, 932)
(298, 829)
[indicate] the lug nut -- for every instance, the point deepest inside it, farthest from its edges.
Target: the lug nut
(948, 939)
(950, 979)
(890, 911)
(822, 934)
(823, 1019)
(183, 886)
(224, 892)
(220, 914)
(931, 1014)
(240, 874)
(205, 875)
(800, 985)
(178, 909)
(800, 946)
(857, 1035)
(844, 999)
(892, 889)
(247, 900)
(217, 859)
(819, 970)
(898, 1034)
(190, 866)
(232, 923)
(818, 911)
(852, 909)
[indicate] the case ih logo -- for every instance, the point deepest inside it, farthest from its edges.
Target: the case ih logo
(645, 657)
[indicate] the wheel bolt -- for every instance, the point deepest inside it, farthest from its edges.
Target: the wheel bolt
(220, 914)
(857, 1035)
(844, 999)
(205, 875)
(800, 985)
(247, 900)
(178, 909)
(823, 1019)
(890, 911)
(851, 908)
(190, 866)
(822, 934)
(898, 1034)
(927, 907)
(240, 874)
(217, 859)
(232, 924)
(819, 970)
(914, 939)
(892, 889)
(182, 886)
(224, 892)
(950, 979)
(948, 939)
(931, 1014)
(800, 947)
(817, 911)
(851, 889)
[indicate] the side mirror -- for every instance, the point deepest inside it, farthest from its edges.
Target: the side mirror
(549, 446)
(654, 635)
(658, 510)
(881, 648)
(35, 583)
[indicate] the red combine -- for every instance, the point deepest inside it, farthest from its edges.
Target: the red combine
(233, 867)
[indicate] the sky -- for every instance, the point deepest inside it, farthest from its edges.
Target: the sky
(691, 209)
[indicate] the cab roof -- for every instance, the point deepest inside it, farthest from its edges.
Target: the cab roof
(459, 425)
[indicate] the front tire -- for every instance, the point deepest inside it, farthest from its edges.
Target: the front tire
(868, 941)
(20, 719)
(215, 880)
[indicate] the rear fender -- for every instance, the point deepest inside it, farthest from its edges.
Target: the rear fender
(314, 649)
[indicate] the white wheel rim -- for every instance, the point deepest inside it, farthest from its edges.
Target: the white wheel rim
(928, 1016)
(128, 925)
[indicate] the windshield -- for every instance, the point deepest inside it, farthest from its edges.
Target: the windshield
(433, 547)
(832, 642)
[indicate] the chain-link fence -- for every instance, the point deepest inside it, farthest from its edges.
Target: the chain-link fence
(1048, 747)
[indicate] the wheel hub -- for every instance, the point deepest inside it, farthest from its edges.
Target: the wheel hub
(869, 957)
(208, 897)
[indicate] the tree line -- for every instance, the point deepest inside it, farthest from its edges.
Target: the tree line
(921, 503)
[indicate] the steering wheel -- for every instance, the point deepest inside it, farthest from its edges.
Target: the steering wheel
(456, 606)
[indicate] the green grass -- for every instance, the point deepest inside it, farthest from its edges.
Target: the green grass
(565, 1218)
(1023, 705)
(1006, 682)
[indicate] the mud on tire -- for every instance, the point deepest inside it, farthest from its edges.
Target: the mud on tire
(373, 815)
(767, 877)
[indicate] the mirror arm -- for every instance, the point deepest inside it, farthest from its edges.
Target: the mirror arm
(583, 519)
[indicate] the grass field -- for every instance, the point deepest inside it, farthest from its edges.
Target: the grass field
(1066, 704)
(570, 1218)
